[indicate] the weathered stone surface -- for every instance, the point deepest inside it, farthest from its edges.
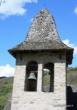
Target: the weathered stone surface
(56, 100)
(43, 28)
(43, 45)
(43, 36)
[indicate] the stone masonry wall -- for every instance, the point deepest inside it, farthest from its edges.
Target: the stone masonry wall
(24, 100)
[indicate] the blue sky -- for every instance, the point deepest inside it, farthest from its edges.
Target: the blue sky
(16, 17)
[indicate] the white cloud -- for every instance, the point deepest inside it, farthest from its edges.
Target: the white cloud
(7, 70)
(13, 7)
(75, 10)
(67, 42)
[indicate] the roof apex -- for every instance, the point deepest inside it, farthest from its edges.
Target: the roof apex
(43, 28)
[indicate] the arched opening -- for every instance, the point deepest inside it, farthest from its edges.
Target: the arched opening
(31, 76)
(48, 77)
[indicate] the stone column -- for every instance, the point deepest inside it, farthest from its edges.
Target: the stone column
(39, 78)
(18, 86)
(19, 79)
(60, 85)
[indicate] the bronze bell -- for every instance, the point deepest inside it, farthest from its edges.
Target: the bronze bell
(32, 76)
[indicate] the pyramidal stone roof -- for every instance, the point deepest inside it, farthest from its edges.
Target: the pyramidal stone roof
(43, 28)
(42, 36)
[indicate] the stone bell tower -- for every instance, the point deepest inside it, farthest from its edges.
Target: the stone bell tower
(41, 61)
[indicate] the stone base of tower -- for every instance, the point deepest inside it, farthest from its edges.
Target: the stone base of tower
(38, 101)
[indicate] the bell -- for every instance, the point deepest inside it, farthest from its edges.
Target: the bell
(32, 76)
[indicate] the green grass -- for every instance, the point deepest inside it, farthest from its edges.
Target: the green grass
(72, 76)
(46, 79)
(5, 90)
(72, 71)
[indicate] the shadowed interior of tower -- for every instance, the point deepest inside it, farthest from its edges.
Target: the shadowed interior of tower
(31, 76)
(48, 77)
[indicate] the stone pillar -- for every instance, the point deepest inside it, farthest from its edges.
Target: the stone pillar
(19, 77)
(60, 85)
(18, 86)
(39, 78)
